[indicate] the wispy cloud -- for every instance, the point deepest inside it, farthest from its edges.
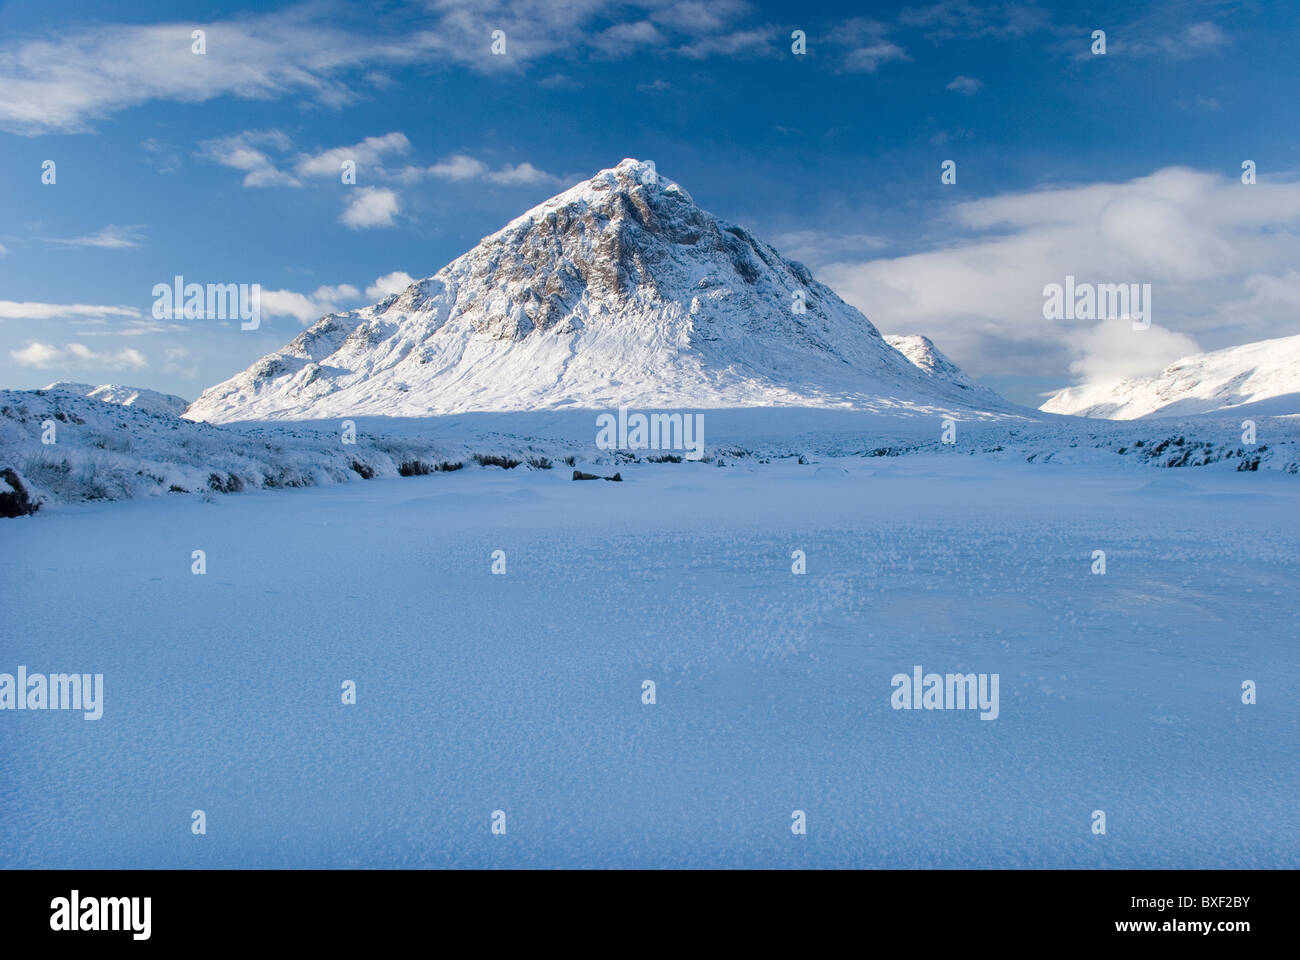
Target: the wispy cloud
(462, 167)
(965, 85)
(30, 310)
(368, 153)
(307, 308)
(865, 45)
(45, 355)
(247, 151)
(109, 238)
(67, 80)
(1156, 36)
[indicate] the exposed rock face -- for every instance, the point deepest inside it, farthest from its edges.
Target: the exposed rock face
(619, 291)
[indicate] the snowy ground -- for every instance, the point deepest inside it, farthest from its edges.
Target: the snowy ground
(522, 692)
(104, 451)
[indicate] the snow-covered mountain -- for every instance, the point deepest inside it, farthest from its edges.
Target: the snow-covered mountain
(139, 397)
(1268, 370)
(619, 291)
(925, 356)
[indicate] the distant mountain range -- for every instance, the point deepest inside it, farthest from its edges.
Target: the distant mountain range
(1262, 377)
(137, 397)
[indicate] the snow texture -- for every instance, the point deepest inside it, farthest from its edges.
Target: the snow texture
(522, 692)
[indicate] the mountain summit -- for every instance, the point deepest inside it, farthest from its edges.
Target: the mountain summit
(618, 291)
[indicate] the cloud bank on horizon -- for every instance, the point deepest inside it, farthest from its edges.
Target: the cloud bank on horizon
(331, 155)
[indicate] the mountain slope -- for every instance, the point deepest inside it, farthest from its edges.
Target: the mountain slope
(1268, 370)
(925, 356)
(138, 397)
(619, 291)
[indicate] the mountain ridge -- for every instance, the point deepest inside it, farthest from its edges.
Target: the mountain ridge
(1213, 382)
(140, 397)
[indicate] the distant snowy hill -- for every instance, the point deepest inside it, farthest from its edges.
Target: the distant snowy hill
(138, 397)
(924, 355)
(1204, 383)
(619, 291)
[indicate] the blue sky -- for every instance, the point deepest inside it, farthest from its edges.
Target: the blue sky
(223, 168)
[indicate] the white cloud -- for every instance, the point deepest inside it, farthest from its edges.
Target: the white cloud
(866, 44)
(44, 355)
(368, 153)
(699, 16)
(1113, 350)
(965, 85)
(110, 238)
(307, 308)
(372, 207)
(37, 355)
(458, 167)
(29, 310)
(625, 38)
(389, 284)
(1219, 256)
(523, 173)
(344, 291)
(69, 78)
(869, 58)
(65, 80)
(461, 168)
(1156, 37)
(739, 43)
(246, 151)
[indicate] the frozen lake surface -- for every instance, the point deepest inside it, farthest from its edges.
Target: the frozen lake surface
(522, 692)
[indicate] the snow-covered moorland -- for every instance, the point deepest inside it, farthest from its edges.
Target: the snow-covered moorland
(104, 451)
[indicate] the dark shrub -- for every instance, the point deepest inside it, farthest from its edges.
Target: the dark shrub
(492, 460)
(17, 502)
(228, 483)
